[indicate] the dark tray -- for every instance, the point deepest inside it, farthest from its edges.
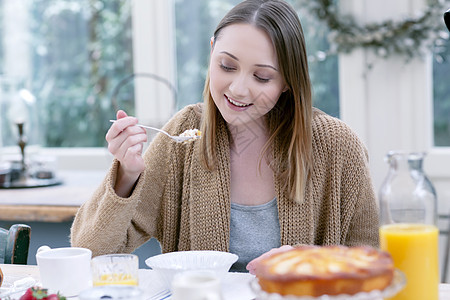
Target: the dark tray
(31, 183)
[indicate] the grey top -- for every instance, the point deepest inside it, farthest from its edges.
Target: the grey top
(254, 230)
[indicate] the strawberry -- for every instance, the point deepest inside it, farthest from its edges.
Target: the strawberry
(28, 295)
(37, 293)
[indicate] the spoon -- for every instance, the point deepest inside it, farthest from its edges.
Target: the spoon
(177, 138)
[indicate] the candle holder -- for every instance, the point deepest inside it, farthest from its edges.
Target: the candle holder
(25, 174)
(22, 143)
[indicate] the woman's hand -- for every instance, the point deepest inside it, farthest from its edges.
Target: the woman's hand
(125, 142)
(253, 265)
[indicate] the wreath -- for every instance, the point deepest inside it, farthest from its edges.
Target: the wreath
(411, 36)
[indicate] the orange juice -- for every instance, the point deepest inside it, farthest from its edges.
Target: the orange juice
(113, 269)
(122, 279)
(414, 249)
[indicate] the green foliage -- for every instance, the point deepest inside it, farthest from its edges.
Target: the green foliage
(322, 70)
(195, 24)
(410, 37)
(82, 49)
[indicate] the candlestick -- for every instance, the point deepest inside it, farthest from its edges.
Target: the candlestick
(22, 143)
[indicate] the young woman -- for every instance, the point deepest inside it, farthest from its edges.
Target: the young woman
(269, 170)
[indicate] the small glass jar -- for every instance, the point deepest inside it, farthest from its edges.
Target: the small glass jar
(43, 167)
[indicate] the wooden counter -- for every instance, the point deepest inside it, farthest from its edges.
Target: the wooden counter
(50, 204)
(39, 213)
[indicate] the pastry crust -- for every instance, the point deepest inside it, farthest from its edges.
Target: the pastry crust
(328, 270)
(1, 276)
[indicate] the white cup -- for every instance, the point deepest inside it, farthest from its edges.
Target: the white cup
(65, 270)
(196, 285)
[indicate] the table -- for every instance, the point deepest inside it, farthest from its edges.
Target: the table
(33, 271)
(50, 204)
(235, 285)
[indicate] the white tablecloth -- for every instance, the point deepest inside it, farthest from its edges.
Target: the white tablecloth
(236, 286)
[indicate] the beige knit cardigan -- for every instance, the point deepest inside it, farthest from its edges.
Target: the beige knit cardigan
(187, 207)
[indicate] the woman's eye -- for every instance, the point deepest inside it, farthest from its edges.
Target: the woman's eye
(226, 68)
(261, 79)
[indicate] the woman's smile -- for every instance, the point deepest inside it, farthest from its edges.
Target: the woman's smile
(236, 105)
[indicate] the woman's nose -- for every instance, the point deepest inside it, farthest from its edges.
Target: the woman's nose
(239, 86)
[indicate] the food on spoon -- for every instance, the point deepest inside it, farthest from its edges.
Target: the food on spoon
(327, 270)
(194, 133)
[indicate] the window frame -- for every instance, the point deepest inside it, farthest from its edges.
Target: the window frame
(153, 58)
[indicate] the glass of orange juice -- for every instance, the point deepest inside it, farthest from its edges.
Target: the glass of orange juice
(414, 249)
(115, 269)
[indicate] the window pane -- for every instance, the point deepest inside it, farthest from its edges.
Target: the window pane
(441, 89)
(195, 24)
(323, 69)
(71, 53)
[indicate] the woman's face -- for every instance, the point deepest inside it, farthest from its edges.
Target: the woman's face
(245, 81)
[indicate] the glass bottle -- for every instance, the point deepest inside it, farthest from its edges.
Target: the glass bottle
(408, 212)
(407, 195)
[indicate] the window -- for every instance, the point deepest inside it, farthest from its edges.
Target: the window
(441, 91)
(68, 54)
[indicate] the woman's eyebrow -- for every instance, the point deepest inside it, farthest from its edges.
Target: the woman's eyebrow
(230, 55)
(258, 65)
(266, 66)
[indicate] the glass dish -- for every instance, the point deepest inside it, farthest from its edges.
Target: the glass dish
(396, 286)
(167, 265)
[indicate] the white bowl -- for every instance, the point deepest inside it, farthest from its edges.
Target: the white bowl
(169, 264)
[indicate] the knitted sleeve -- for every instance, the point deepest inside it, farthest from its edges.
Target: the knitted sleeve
(362, 219)
(108, 223)
(345, 203)
(359, 210)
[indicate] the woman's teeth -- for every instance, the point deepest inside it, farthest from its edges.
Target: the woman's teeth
(237, 103)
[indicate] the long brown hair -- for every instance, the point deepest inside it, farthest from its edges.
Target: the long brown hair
(289, 122)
